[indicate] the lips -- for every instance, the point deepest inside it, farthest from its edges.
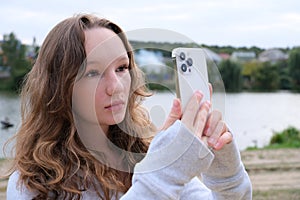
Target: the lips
(115, 106)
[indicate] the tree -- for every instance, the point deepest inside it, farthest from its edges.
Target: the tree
(14, 57)
(284, 75)
(266, 77)
(248, 70)
(231, 73)
(294, 69)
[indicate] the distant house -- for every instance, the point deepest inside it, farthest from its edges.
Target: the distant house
(224, 56)
(212, 56)
(5, 72)
(150, 61)
(243, 56)
(272, 55)
(30, 52)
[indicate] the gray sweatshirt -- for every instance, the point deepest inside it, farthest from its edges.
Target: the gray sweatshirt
(178, 165)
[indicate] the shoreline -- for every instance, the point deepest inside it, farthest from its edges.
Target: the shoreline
(274, 173)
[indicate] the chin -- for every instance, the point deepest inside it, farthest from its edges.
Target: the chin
(115, 120)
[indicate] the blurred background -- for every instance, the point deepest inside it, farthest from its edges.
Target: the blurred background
(254, 45)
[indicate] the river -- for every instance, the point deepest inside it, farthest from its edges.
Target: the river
(252, 117)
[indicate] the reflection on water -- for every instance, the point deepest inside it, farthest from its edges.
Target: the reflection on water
(9, 108)
(253, 117)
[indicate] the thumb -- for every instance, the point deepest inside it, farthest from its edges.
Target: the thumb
(174, 114)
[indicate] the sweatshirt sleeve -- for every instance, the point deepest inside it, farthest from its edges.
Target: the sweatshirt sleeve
(15, 191)
(174, 157)
(227, 177)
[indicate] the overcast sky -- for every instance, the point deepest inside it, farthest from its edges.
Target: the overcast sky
(262, 23)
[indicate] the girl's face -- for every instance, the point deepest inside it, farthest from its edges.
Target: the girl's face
(100, 96)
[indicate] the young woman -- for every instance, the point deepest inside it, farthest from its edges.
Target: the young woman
(85, 135)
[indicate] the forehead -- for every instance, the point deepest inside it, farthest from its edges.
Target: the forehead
(103, 45)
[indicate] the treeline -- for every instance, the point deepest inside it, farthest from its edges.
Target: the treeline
(231, 49)
(15, 61)
(251, 75)
(262, 76)
(18, 58)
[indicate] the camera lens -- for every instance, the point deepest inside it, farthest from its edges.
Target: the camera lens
(182, 56)
(189, 62)
(183, 67)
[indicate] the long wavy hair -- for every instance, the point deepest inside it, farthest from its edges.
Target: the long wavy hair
(49, 155)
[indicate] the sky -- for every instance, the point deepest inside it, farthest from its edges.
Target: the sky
(262, 23)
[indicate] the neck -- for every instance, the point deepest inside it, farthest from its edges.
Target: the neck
(92, 135)
(94, 138)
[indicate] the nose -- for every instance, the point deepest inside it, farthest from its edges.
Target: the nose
(113, 84)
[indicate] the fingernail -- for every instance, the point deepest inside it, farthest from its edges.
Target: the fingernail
(198, 95)
(207, 131)
(175, 103)
(218, 145)
(212, 141)
(207, 104)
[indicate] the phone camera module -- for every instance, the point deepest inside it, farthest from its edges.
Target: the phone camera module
(189, 62)
(182, 56)
(184, 67)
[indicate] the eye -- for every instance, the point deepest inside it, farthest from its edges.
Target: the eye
(122, 68)
(92, 73)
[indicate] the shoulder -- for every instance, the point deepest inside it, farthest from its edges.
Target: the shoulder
(16, 190)
(13, 180)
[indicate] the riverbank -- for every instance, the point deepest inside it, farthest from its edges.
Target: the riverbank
(275, 174)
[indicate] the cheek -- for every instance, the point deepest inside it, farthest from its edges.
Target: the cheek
(83, 101)
(99, 97)
(127, 83)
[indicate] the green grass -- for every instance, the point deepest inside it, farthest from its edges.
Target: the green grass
(290, 194)
(288, 138)
(3, 189)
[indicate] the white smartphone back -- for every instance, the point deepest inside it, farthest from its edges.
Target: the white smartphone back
(191, 73)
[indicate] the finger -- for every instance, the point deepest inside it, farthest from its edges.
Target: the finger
(174, 114)
(204, 139)
(191, 110)
(214, 117)
(225, 138)
(201, 118)
(219, 130)
(210, 90)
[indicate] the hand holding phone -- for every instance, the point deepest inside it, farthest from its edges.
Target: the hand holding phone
(191, 73)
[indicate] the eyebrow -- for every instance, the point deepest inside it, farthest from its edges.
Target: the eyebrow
(120, 58)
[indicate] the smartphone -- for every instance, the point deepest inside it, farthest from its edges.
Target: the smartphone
(191, 73)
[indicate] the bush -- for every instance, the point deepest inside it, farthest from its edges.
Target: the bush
(231, 73)
(266, 77)
(156, 86)
(294, 68)
(288, 138)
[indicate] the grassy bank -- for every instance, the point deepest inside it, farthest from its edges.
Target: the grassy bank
(290, 194)
(288, 138)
